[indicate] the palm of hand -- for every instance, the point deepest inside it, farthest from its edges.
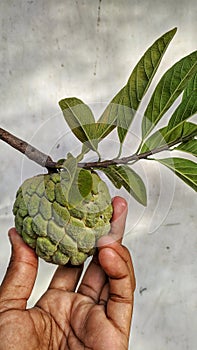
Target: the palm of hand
(97, 316)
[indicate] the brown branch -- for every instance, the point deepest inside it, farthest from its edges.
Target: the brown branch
(46, 161)
(25, 148)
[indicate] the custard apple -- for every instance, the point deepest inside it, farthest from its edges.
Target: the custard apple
(62, 228)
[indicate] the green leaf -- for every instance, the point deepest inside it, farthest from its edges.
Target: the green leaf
(186, 109)
(75, 183)
(189, 147)
(163, 137)
(129, 179)
(140, 80)
(80, 119)
(168, 89)
(107, 121)
(68, 173)
(177, 129)
(81, 187)
(122, 108)
(192, 85)
(111, 172)
(84, 182)
(125, 115)
(133, 183)
(183, 168)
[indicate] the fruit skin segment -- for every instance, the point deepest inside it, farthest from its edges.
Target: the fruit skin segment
(58, 231)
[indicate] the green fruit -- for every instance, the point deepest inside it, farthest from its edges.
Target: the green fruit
(58, 228)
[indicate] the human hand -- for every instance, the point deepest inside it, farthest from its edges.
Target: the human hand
(95, 316)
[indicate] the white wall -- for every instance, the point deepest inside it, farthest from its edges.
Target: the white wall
(55, 49)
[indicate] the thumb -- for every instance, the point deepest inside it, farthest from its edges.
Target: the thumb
(117, 264)
(19, 279)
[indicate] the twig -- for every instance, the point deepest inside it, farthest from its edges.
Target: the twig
(25, 148)
(46, 161)
(124, 160)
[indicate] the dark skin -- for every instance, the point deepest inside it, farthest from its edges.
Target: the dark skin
(95, 316)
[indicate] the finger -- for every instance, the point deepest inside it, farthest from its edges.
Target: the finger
(19, 280)
(116, 262)
(66, 278)
(106, 241)
(95, 278)
(120, 210)
(104, 296)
